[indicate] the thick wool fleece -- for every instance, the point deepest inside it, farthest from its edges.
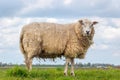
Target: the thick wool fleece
(50, 40)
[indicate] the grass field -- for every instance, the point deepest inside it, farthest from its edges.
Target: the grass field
(20, 73)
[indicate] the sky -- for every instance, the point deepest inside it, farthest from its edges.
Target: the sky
(16, 13)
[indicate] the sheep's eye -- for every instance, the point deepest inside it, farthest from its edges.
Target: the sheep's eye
(91, 25)
(82, 23)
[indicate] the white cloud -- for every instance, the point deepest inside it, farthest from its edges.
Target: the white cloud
(9, 32)
(116, 54)
(107, 29)
(111, 33)
(52, 20)
(108, 32)
(1, 51)
(67, 2)
(116, 22)
(5, 22)
(10, 39)
(100, 46)
(31, 5)
(64, 8)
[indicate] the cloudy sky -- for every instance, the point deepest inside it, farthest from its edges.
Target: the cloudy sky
(16, 13)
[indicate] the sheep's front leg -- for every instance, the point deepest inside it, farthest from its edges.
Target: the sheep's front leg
(66, 66)
(72, 67)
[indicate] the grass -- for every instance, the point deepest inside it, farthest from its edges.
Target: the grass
(20, 73)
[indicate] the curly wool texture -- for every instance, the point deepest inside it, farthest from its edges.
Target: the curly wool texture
(50, 40)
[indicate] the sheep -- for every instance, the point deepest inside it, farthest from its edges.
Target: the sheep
(52, 40)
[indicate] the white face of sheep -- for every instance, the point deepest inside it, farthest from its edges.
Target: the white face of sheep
(87, 26)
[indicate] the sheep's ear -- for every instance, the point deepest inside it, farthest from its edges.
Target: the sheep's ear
(95, 22)
(81, 22)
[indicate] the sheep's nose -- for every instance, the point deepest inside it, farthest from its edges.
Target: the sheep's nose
(87, 32)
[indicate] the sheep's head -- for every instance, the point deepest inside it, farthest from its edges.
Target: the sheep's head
(87, 26)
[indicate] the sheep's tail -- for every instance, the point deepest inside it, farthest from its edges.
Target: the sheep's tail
(21, 42)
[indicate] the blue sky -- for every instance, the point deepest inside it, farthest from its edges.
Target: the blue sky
(16, 13)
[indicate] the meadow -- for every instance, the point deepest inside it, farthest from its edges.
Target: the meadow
(20, 73)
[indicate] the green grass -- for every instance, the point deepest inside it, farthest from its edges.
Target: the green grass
(20, 73)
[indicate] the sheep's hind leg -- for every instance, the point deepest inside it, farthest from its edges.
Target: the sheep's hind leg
(28, 63)
(66, 66)
(72, 66)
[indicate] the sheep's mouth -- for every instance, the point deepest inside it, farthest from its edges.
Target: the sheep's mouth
(86, 35)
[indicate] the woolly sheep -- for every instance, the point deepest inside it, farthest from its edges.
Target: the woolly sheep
(51, 40)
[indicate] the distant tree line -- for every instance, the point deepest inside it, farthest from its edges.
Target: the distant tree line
(3, 64)
(77, 65)
(98, 65)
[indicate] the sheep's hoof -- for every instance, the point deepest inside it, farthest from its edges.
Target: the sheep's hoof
(65, 74)
(72, 74)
